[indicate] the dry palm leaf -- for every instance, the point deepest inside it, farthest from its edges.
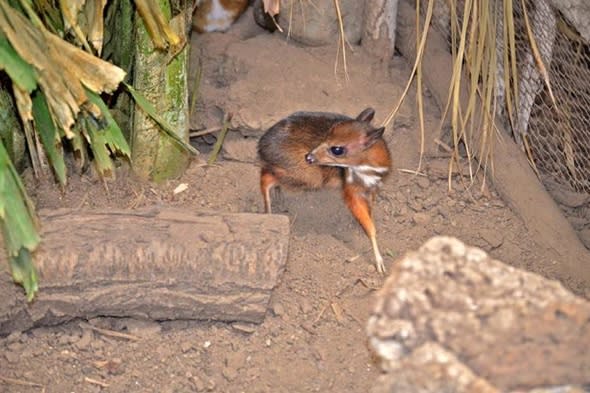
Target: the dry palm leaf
(62, 69)
(158, 29)
(85, 19)
(70, 10)
(94, 17)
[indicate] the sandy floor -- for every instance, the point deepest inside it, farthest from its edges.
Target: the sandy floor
(313, 338)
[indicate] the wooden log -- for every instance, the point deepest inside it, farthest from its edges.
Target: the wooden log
(511, 173)
(378, 37)
(160, 264)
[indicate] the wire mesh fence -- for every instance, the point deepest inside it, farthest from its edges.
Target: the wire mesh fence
(554, 133)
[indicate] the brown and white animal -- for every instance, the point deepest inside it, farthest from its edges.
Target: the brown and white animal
(312, 150)
(217, 15)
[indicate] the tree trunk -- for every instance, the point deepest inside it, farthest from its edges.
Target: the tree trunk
(163, 80)
(511, 173)
(160, 264)
(379, 28)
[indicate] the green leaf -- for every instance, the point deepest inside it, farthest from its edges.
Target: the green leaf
(16, 210)
(21, 72)
(24, 273)
(148, 108)
(50, 136)
(113, 136)
(98, 144)
(17, 221)
(219, 143)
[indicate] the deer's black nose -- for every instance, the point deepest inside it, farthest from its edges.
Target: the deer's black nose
(310, 158)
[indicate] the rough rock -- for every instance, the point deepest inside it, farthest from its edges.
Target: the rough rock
(260, 90)
(237, 148)
(513, 329)
(316, 23)
(432, 360)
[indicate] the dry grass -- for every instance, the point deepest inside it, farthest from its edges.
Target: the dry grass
(475, 93)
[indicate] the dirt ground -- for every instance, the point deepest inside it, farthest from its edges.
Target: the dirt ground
(313, 338)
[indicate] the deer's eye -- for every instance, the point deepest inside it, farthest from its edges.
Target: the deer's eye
(337, 150)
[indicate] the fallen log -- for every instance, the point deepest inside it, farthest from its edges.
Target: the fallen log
(158, 263)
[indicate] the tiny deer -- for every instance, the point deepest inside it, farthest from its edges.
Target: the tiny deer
(313, 150)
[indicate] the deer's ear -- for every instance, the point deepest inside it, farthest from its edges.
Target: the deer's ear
(374, 135)
(366, 115)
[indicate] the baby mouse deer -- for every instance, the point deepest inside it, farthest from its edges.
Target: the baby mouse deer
(312, 150)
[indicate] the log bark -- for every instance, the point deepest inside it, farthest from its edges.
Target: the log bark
(162, 78)
(379, 27)
(160, 264)
(459, 321)
(511, 173)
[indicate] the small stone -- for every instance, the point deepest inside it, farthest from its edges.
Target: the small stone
(15, 347)
(498, 203)
(211, 385)
(143, 328)
(85, 340)
(403, 211)
(187, 346)
(27, 352)
(97, 345)
(198, 383)
(492, 237)
(230, 373)
(306, 306)
(67, 339)
(400, 197)
(13, 337)
(236, 360)
(309, 327)
(438, 219)
(12, 357)
(277, 309)
(423, 182)
(432, 200)
(416, 205)
(421, 218)
(318, 353)
(115, 366)
(242, 327)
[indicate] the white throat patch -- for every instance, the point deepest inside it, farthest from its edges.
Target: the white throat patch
(369, 176)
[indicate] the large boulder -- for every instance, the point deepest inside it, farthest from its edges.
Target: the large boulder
(450, 318)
